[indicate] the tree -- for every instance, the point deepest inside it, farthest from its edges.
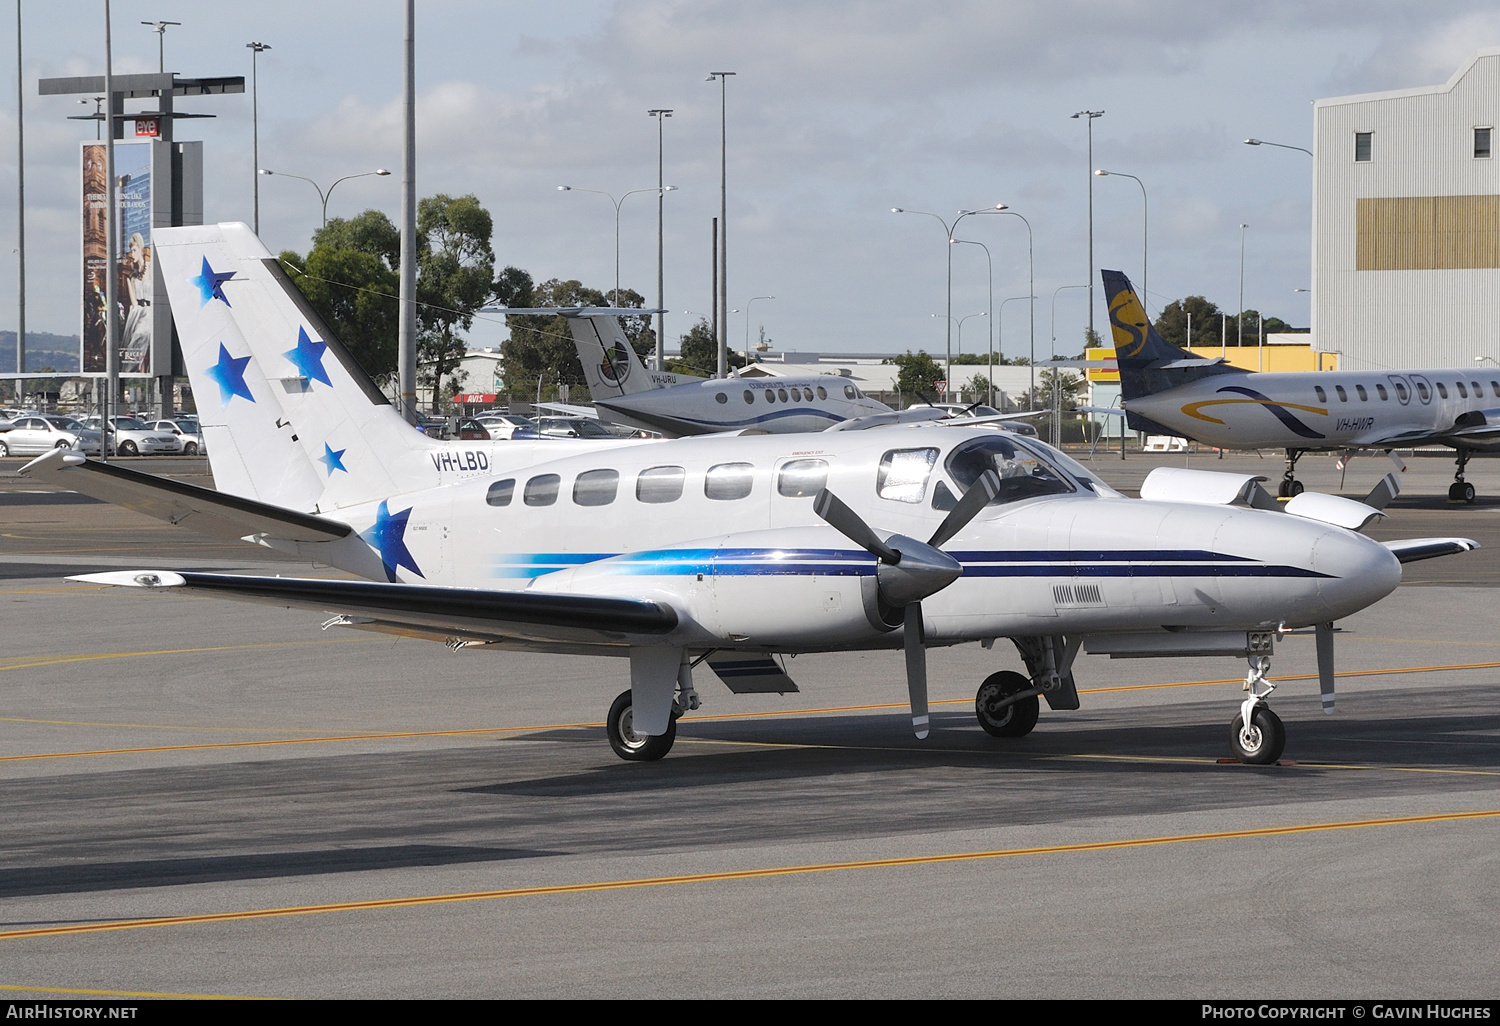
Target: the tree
(1212, 326)
(1070, 386)
(919, 373)
(699, 353)
(455, 277)
(540, 348)
(351, 278)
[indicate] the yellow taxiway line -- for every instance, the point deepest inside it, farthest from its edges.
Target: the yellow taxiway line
(741, 874)
(83, 992)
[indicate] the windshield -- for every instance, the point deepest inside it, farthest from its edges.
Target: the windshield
(190, 426)
(65, 424)
(128, 424)
(1023, 473)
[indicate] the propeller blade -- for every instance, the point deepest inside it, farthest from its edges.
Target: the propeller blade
(978, 496)
(916, 668)
(1386, 489)
(848, 523)
(1325, 665)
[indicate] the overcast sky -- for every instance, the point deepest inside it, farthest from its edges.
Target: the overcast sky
(839, 111)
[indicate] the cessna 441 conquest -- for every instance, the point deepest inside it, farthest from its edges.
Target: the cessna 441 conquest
(722, 551)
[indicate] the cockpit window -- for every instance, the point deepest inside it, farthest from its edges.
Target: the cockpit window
(904, 473)
(1022, 473)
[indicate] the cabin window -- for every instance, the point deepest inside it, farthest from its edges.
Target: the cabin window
(1364, 396)
(1022, 474)
(596, 487)
(729, 480)
(542, 490)
(660, 484)
(807, 394)
(749, 397)
(1362, 147)
(770, 395)
(1403, 395)
(1422, 392)
(801, 478)
(1481, 143)
(848, 391)
(796, 395)
(1343, 396)
(904, 472)
(1322, 395)
(1442, 390)
(1463, 393)
(1478, 390)
(1384, 395)
(721, 398)
(500, 492)
(1495, 387)
(781, 394)
(822, 392)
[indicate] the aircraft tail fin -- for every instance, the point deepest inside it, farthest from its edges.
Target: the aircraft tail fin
(1147, 362)
(611, 367)
(290, 418)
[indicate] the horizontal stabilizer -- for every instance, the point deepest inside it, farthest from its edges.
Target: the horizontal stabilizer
(204, 510)
(1410, 550)
(464, 613)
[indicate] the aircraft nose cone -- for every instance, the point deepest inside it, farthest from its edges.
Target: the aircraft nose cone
(1358, 571)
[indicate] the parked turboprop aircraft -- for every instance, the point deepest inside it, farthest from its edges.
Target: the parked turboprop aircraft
(727, 550)
(626, 393)
(1170, 391)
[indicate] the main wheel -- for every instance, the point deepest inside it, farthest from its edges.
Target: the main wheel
(1016, 719)
(191, 449)
(1461, 491)
(127, 448)
(630, 745)
(1261, 743)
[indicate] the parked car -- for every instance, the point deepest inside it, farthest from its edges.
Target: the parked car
(572, 427)
(508, 425)
(131, 437)
(187, 431)
(32, 436)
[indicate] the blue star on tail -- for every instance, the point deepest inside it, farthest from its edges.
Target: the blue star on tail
(211, 284)
(333, 459)
(308, 357)
(388, 537)
(229, 372)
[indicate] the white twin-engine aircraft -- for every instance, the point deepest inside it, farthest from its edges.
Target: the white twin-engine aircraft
(722, 551)
(1170, 391)
(625, 392)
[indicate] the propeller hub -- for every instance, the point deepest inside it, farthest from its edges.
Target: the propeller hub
(922, 571)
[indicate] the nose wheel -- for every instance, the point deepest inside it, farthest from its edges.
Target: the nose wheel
(1261, 741)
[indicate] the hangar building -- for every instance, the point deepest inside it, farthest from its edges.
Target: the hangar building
(1406, 223)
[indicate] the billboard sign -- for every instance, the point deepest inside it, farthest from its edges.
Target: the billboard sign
(135, 281)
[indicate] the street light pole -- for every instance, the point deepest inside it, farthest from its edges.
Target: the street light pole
(1145, 229)
(20, 218)
(160, 28)
(722, 329)
(1240, 317)
(322, 194)
(256, 49)
(1001, 208)
(1000, 334)
(1056, 413)
(747, 323)
(660, 114)
(1284, 146)
(111, 288)
(1089, 116)
(617, 202)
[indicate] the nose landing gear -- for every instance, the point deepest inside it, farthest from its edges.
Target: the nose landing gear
(1256, 734)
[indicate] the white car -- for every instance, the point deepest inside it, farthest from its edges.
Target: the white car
(506, 425)
(131, 437)
(32, 436)
(186, 430)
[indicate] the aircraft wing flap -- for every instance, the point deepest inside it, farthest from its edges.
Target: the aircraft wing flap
(177, 502)
(464, 613)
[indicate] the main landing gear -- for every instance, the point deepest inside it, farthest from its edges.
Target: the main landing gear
(1290, 486)
(1461, 490)
(630, 745)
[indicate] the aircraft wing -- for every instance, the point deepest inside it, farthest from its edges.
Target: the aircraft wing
(1409, 550)
(455, 614)
(202, 509)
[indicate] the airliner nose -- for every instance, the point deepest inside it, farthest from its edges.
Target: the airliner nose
(1357, 571)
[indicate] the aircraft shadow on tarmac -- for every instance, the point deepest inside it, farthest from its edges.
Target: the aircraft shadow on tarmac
(110, 876)
(1107, 746)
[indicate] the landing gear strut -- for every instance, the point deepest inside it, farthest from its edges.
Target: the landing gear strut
(1290, 486)
(1256, 734)
(1461, 490)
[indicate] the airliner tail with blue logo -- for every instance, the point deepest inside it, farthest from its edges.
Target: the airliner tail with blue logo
(1170, 391)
